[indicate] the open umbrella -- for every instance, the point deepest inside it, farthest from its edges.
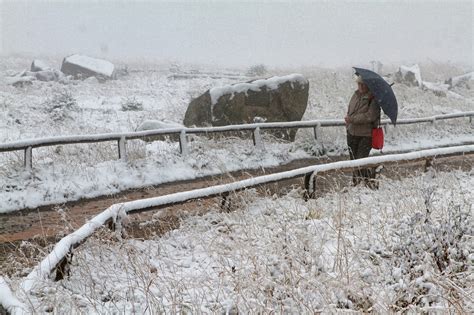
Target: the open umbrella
(382, 92)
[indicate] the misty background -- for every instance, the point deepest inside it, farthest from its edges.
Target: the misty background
(230, 33)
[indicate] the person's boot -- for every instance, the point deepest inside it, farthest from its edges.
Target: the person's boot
(372, 181)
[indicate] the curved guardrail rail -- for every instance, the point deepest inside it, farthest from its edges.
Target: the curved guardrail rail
(116, 212)
(58, 258)
(121, 138)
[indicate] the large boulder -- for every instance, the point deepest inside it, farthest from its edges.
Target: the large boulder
(81, 67)
(274, 99)
(410, 76)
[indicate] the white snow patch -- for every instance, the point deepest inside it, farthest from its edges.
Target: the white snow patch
(39, 65)
(271, 83)
(97, 65)
(292, 254)
(462, 78)
(437, 87)
(8, 299)
(158, 124)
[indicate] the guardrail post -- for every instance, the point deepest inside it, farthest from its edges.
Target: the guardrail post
(310, 186)
(428, 164)
(225, 203)
(28, 160)
(183, 143)
(257, 138)
(116, 226)
(315, 130)
(122, 147)
(63, 267)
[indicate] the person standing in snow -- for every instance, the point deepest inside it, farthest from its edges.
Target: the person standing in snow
(363, 114)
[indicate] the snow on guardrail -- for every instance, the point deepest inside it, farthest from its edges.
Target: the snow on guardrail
(23, 144)
(7, 300)
(117, 211)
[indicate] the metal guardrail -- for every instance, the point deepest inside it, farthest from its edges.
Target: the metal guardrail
(57, 260)
(121, 138)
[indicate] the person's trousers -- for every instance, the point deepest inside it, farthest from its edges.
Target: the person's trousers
(359, 147)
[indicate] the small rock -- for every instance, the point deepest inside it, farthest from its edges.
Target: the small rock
(39, 65)
(410, 76)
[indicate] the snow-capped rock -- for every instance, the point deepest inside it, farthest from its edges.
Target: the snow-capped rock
(81, 66)
(409, 75)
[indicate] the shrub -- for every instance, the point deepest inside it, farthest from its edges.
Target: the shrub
(131, 104)
(60, 105)
(432, 255)
(257, 70)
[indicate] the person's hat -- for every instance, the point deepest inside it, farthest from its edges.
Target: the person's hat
(359, 79)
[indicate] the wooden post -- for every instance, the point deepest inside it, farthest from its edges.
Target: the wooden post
(62, 268)
(315, 130)
(183, 143)
(28, 160)
(428, 164)
(257, 138)
(122, 147)
(225, 203)
(116, 226)
(309, 186)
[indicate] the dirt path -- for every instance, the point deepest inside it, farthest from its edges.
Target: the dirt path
(47, 225)
(56, 220)
(47, 221)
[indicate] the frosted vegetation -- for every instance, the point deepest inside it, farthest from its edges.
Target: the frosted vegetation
(405, 247)
(69, 172)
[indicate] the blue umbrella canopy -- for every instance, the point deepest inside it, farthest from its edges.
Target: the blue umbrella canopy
(382, 92)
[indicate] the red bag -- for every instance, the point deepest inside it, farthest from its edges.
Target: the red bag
(377, 138)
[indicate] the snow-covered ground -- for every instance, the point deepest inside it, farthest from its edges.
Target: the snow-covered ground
(407, 246)
(404, 247)
(70, 172)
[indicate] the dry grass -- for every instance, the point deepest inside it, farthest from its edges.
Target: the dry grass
(346, 250)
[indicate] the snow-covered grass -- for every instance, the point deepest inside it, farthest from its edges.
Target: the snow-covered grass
(61, 173)
(70, 172)
(72, 179)
(405, 247)
(118, 211)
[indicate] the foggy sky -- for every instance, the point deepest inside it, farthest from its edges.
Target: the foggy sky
(243, 33)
